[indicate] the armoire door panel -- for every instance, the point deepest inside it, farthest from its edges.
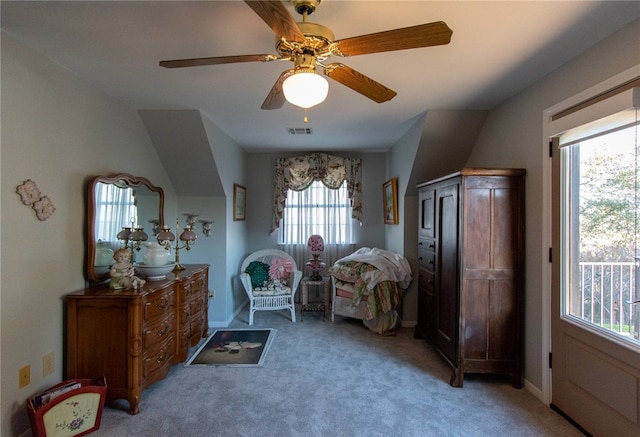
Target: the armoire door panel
(503, 339)
(477, 219)
(505, 230)
(475, 319)
(447, 279)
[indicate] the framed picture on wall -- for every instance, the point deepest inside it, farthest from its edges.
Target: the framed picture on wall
(390, 201)
(239, 202)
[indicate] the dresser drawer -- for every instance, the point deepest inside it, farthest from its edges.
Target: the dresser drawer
(155, 332)
(196, 327)
(157, 304)
(427, 244)
(201, 284)
(159, 357)
(426, 280)
(427, 260)
(185, 291)
(428, 301)
(185, 314)
(197, 303)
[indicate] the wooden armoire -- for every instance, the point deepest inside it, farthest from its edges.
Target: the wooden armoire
(471, 266)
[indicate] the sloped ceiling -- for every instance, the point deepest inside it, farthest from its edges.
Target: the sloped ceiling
(446, 142)
(183, 147)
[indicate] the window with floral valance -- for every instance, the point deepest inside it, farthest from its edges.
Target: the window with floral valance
(299, 172)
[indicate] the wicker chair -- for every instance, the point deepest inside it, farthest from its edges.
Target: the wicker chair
(274, 298)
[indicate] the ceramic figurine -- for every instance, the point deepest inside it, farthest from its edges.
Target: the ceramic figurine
(123, 273)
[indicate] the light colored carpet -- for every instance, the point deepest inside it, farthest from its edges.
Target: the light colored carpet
(334, 379)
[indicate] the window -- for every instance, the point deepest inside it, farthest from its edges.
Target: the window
(317, 210)
(600, 228)
(115, 206)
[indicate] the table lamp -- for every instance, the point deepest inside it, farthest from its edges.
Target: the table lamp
(315, 265)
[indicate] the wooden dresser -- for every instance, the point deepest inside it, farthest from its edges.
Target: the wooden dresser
(133, 337)
(471, 266)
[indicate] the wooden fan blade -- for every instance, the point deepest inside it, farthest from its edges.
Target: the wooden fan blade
(359, 82)
(276, 99)
(423, 35)
(197, 62)
(275, 14)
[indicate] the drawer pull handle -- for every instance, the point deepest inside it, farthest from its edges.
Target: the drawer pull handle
(163, 303)
(162, 357)
(432, 246)
(163, 331)
(420, 258)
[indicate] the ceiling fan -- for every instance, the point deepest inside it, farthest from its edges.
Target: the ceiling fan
(309, 45)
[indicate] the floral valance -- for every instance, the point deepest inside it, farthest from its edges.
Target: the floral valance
(299, 172)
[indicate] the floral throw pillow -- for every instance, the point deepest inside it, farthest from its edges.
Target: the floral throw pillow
(259, 273)
(280, 269)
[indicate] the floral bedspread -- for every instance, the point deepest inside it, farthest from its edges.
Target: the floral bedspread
(381, 299)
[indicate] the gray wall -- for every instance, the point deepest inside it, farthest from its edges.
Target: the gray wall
(59, 132)
(512, 137)
(230, 165)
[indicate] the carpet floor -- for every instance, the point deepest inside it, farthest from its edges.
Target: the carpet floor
(333, 379)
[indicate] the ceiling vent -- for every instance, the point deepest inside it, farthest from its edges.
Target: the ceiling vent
(300, 131)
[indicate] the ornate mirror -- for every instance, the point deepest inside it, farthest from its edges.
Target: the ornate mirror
(113, 203)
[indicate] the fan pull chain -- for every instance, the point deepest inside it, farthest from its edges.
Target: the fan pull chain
(305, 119)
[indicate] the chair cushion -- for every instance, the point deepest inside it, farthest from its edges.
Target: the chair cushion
(259, 273)
(277, 291)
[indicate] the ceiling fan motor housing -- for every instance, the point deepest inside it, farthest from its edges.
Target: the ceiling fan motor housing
(306, 62)
(305, 6)
(318, 40)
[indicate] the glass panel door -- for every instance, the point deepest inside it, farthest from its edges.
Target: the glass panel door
(594, 323)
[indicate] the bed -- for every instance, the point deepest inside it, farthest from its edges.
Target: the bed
(368, 285)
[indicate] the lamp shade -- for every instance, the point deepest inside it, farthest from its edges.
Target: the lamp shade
(124, 234)
(138, 235)
(188, 234)
(305, 89)
(315, 244)
(165, 235)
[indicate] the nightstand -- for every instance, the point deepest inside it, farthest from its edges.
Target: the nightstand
(315, 306)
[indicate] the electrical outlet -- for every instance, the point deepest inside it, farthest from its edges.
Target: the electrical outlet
(48, 363)
(24, 376)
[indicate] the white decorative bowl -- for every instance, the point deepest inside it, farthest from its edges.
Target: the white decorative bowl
(154, 273)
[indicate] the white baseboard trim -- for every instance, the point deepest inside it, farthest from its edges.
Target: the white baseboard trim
(533, 390)
(226, 323)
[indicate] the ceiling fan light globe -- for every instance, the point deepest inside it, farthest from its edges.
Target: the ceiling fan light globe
(305, 89)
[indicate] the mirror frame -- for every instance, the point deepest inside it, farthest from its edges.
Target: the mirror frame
(90, 246)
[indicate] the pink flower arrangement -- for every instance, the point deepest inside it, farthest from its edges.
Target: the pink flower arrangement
(280, 268)
(315, 244)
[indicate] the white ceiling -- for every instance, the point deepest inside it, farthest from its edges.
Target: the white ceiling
(497, 49)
